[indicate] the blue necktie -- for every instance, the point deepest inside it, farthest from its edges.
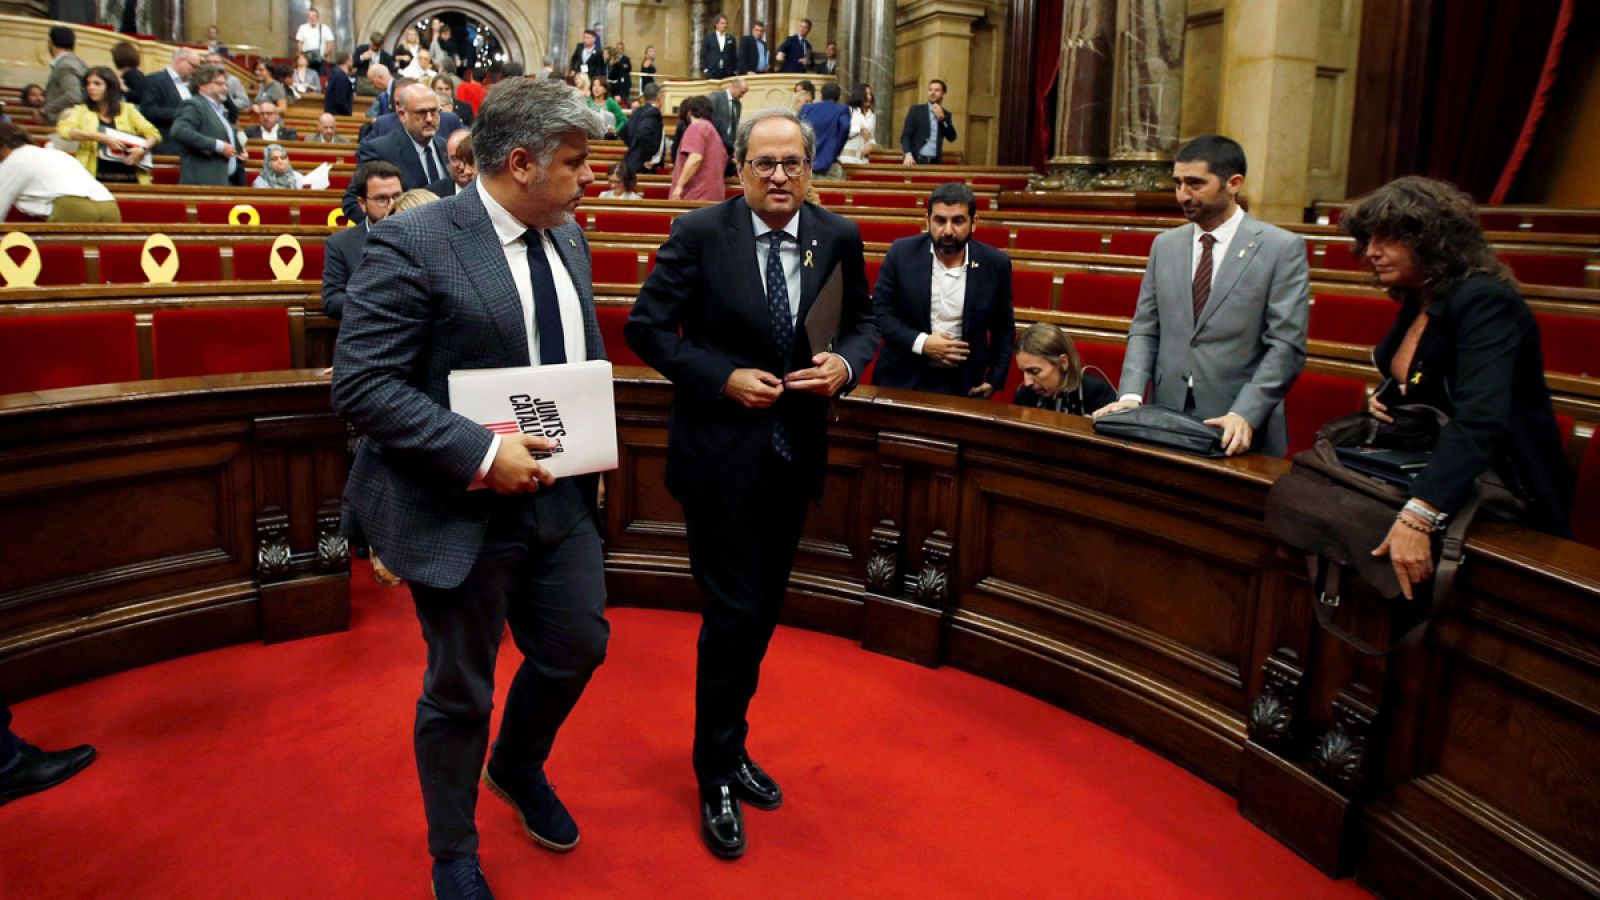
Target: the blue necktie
(546, 311)
(782, 330)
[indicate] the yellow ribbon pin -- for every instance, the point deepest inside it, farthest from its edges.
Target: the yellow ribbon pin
(244, 214)
(286, 269)
(26, 273)
(164, 272)
(336, 219)
(808, 260)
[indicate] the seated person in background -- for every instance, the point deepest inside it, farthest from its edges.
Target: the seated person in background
(104, 155)
(463, 163)
(278, 173)
(32, 96)
(49, 184)
(624, 184)
(601, 101)
(327, 131)
(445, 87)
(304, 78)
(943, 305)
(1053, 376)
(1466, 343)
(268, 127)
(701, 156)
(25, 769)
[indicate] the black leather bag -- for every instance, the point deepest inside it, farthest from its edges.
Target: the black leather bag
(1151, 424)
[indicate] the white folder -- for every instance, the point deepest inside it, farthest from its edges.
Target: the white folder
(570, 403)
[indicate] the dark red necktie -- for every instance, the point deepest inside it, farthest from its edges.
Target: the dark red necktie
(1202, 276)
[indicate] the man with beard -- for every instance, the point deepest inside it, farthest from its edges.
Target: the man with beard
(943, 303)
(496, 276)
(1220, 326)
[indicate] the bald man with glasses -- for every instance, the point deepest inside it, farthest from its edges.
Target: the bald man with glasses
(417, 149)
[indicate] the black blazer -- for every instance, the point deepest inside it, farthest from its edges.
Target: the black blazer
(341, 254)
(643, 133)
(1479, 361)
(397, 148)
(903, 305)
(702, 313)
(445, 187)
(750, 58)
(133, 86)
(796, 52)
(340, 98)
(719, 63)
(159, 103)
(914, 133)
(595, 68)
(1092, 393)
(359, 64)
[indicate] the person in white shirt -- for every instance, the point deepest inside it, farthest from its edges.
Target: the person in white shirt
(44, 182)
(314, 39)
(863, 125)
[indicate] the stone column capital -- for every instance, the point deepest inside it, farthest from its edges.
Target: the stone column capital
(919, 11)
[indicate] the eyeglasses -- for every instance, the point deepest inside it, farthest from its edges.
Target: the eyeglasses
(382, 199)
(793, 166)
(426, 113)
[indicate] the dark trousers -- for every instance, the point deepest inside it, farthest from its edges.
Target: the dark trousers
(540, 570)
(10, 744)
(950, 380)
(741, 549)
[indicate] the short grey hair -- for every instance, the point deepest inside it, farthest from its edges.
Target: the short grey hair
(532, 113)
(377, 69)
(402, 98)
(741, 144)
(188, 53)
(204, 74)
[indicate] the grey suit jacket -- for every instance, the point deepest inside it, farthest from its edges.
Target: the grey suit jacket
(196, 131)
(1250, 342)
(64, 90)
(432, 294)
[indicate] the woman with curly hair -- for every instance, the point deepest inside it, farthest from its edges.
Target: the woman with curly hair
(1465, 343)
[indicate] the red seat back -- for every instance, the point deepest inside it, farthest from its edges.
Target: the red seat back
(120, 263)
(611, 320)
(882, 232)
(159, 175)
(1571, 344)
(1546, 268)
(993, 235)
(891, 200)
(873, 267)
(615, 266)
(60, 264)
(1058, 240)
(1583, 223)
(316, 213)
(270, 213)
(1341, 256)
(1031, 288)
(1314, 400)
(1350, 319)
(1003, 393)
(220, 341)
(154, 212)
(1586, 500)
(1107, 358)
(1131, 243)
(253, 262)
(1099, 295)
(42, 352)
(612, 222)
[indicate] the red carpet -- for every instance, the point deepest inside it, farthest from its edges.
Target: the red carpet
(286, 771)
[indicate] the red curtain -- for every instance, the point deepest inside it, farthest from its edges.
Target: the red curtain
(1047, 59)
(1530, 125)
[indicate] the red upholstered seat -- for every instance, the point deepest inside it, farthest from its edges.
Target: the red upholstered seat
(338, 182)
(155, 212)
(1571, 344)
(160, 175)
(872, 366)
(119, 263)
(1031, 288)
(1564, 424)
(891, 201)
(611, 222)
(1099, 295)
(831, 199)
(888, 177)
(1131, 243)
(1314, 400)
(1003, 393)
(873, 267)
(1351, 319)
(655, 191)
(1585, 223)
(888, 232)
(1341, 256)
(1004, 182)
(1499, 221)
(615, 266)
(1105, 358)
(60, 264)
(1546, 268)
(1058, 240)
(220, 341)
(217, 213)
(611, 319)
(993, 235)
(253, 262)
(42, 352)
(316, 213)
(1586, 500)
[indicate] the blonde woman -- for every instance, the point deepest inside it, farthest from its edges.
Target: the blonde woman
(1053, 376)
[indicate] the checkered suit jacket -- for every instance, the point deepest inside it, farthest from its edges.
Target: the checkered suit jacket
(433, 294)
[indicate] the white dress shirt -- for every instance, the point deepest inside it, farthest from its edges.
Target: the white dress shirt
(949, 301)
(33, 177)
(179, 81)
(1219, 251)
(509, 230)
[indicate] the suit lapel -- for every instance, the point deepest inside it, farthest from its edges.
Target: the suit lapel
(977, 287)
(748, 287)
(815, 259)
(478, 248)
(1241, 250)
(919, 282)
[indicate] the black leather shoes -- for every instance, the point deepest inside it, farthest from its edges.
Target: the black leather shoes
(722, 822)
(544, 816)
(460, 879)
(754, 786)
(36, 770)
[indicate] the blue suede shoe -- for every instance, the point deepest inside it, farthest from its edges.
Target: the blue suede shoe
(460, 879)
(544, 816)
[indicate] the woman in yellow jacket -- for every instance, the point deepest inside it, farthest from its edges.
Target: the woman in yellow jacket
(106, 157)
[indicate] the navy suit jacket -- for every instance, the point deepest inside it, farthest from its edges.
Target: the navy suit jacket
(796, 52)
(902, 301)
(389, 123)
(914, 133)
(719, 63)
(340, 98)
(397, 148)
(341, 256)
(433, 295)
(159, 101)
(703, 312)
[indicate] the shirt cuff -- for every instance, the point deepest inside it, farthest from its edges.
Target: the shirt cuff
(483, 467)
(221, 148)
(1134, 397)
(849, 371)
(916, 345)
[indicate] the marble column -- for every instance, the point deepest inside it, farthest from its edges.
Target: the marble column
(1083, 92)
(876, 66)
(698, 26)
(1148, 91)
(340, 15)
(1269, 70)
(596, 12)
(556, 52)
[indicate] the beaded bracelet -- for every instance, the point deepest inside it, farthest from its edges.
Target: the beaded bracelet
(1412, 525)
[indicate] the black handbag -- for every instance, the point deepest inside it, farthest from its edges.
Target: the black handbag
(1337, 511)
(1151, 424)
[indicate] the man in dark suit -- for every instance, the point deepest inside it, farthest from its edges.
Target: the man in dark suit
(644, 131)
(389, 123)
(377, 187)
(723, 316)
(269, 125)
(340, 97)
(25, 769)
(726, 110)
(795, 53)
(943, 304)
(210, 151)
(927, 127)
(753, 58)
(587, 58)
(463, 165)
(372, 54)
(416, 149)
(719, 51)
(164, 92)
(496, 276)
